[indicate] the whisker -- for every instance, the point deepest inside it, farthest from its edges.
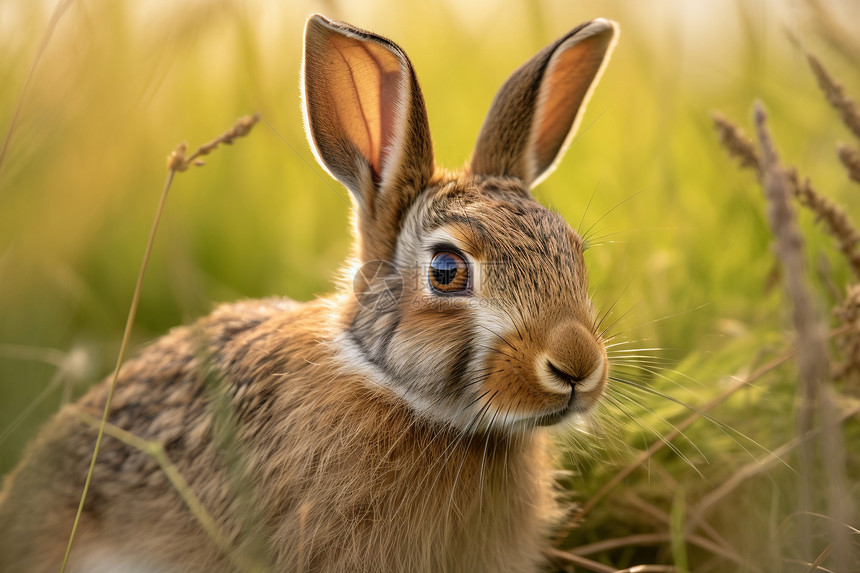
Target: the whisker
(626, 342)
(656, 372)
(661, 319)
(619, 204)
(499, 336)
(470, 429)
(616, 321)
(497, 351)
(664, 420)
(624, 410)
(629, 350)
(605, 314)
(725, 428)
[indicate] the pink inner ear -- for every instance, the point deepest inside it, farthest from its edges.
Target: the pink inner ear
(569, 77)
(365, 81)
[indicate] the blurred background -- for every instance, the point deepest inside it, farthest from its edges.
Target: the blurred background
(681, 251)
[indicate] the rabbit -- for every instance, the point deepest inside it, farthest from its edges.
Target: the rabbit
(399, 424)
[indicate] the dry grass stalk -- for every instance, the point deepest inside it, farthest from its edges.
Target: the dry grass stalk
(835, 94)
(736, 142)
(176, 161)
(56, 16)
(649, 569)
(789, 251)
(813, 362)
(849, 345)
(850, 158)
(661, 539)
(816, 565)
(157, 452)
(559, 556)
(664, 518)
(757, 467)
(834, 219)
(565, 557)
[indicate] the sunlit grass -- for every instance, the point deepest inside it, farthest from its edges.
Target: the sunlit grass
(681, 243)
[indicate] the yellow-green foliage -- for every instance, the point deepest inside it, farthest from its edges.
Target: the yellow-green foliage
(680, 243)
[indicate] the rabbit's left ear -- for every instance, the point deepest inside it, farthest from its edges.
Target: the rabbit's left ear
(536, 112)
(366, 120)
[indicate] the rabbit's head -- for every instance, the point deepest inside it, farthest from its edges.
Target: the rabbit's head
(470, 300)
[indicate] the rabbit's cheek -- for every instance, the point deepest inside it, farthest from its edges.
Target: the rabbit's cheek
(429, 347)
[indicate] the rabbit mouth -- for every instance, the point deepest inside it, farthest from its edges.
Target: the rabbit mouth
(574, 405)
(554, 418)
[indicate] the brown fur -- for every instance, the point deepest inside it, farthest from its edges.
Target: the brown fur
(343, 434)
(338, 465)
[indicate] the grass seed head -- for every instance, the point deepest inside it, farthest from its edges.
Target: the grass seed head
(850, 158)
(835, 94)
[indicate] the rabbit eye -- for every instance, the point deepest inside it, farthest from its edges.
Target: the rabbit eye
(449, 273)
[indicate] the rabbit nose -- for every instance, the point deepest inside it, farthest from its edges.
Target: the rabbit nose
(574, 356)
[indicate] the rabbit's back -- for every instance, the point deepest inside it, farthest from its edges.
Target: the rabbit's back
(162, 397)
(302, 461)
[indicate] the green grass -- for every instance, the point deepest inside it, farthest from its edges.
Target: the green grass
(681, 242)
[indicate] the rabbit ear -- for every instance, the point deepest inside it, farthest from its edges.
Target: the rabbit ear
(365, 118)
(536, 112)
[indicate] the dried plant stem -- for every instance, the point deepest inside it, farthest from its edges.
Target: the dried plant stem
(176, 161)
(808, 564)
(820, 559)
(56, 16)
(813, 362)
(559, 555)
(812, 350)
(658, 539)
(787, 520)
(590, 565)
(225, 436)
(126, 335)
(723, 547)
(156, 451)
(834, 219)
(700, 510)
(649, 569)
(736, 142)
(789, 250)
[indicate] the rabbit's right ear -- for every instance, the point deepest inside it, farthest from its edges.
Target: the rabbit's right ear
(536, 112)
(366, 120)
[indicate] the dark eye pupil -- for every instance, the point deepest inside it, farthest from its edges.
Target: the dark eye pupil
(444, 268)
(449, 273)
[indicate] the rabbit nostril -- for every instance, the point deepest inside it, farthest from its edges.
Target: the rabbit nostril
(566, 377)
